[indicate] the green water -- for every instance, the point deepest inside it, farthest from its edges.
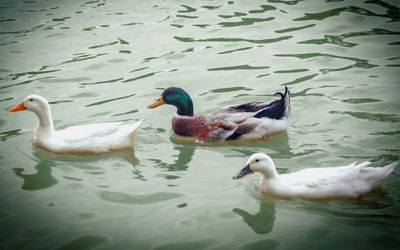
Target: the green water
(100, 61)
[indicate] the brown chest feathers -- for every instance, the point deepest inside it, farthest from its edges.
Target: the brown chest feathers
(201, 128)
(190, 126)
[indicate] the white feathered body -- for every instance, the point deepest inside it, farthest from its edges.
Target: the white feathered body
(352, 181)
(89, 138)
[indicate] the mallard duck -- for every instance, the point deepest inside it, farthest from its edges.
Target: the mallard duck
(351, 181)
(252, 120)
(89, 138)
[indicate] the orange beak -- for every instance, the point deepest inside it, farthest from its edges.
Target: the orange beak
(158, 102)
(19, 107)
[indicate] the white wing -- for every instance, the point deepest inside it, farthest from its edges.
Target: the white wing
(98, 137)
(81, 133)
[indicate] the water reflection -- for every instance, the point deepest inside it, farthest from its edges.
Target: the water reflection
(126, 154)
(84, 242)
(261, 222)
(339, 39)
(392, 12)
(233, 39)
(39, 180)
(372, 208)
(278, 146)
(9, 134)
(137, 199)
(43, 177)
(357, 62)
(185, 155)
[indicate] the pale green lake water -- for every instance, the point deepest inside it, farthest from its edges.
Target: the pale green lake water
(99, 61)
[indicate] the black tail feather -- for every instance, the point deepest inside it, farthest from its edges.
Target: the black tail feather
(276, 109)
(282, 95)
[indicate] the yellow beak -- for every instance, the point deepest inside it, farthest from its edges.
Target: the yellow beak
(156, 103)
(19, 107)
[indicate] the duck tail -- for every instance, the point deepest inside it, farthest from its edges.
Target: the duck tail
(377, 175)
(285, 100)
(389, 168)
(133, 128)
(278, 109)
(125, 136)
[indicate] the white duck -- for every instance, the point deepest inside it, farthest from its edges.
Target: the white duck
(89, 138)
(351, 181)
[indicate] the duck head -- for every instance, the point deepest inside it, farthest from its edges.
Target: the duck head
(34, 103)
(176, 97)
(40, 107)
(258, 162)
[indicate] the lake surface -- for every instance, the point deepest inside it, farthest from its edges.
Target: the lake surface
(101, 61)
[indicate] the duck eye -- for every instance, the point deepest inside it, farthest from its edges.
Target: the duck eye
(257, 160)
(31, 99)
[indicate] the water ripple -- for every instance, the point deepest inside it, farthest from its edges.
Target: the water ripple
(77, 58)
(16, 84)
(136, 199)
(141, 77)
(288, 2)
(335, 12)
(209, 7)
(301, 79)
(84, 242)
(103, 45)
(264, 8)
(131, 24)
(222, 39)
(102, 82)
(235, 14)
(8, 43)
(28, 74)
(139, 69)
(239, 67)
(127, 113)
(338, 39)
(359, 63)
(9, 134)
(234, 50)
(187, 244)
(148, 59)
(290, 71)
(295, 28)
(390, 118)
(224, 90)
(361, 100)
(109, 100)
(188, 9)
(245, 21)
(186, 16)
(392, 11)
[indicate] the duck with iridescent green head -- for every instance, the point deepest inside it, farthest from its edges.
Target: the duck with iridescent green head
(252, 120)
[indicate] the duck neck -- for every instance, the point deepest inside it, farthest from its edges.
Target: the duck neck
(270, 173)
(185, 107)
(45, 122)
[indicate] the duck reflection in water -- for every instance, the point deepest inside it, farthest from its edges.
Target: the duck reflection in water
(261, 222)
(43, 177)
(185, 156)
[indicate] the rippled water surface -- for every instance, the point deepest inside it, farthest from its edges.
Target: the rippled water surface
(106, 60)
